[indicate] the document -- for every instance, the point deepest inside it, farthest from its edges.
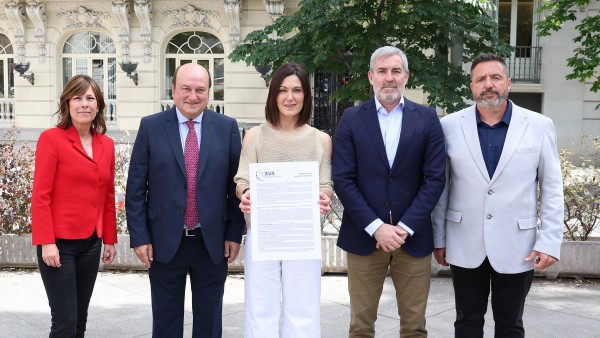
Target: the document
(284, 212)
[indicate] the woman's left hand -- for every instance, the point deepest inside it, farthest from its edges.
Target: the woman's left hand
(108, 256)
(324, 202)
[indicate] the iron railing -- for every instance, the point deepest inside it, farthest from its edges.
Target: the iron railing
(218, 106)
(525, 63)
(326, 112)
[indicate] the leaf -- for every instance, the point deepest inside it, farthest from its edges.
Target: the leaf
(327, 34)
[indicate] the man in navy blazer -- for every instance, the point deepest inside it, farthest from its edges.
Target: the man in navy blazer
(388, 171)
(156, 201)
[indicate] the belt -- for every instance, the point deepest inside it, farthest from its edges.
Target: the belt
(192, 232)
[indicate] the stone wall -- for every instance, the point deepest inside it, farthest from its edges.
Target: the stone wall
(578, 259)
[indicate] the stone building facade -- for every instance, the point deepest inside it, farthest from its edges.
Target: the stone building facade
(131, 48)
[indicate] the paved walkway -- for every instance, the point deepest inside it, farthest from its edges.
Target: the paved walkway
(120, 307)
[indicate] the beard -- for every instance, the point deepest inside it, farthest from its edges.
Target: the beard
(389, 97)
(496, 102)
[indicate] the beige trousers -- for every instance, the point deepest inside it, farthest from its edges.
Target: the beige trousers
(411, 277)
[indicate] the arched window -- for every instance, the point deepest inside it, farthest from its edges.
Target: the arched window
(7, 81)
(204, 49)
(93, 54)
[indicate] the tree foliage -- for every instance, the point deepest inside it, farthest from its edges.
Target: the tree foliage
(339, 36)
(586, 59)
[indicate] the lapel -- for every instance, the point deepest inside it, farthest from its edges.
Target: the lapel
(468, 124)
(516, 129)
(76, 142)
(97, 146)
(172, 129)
(206, 139)
(369, 116)
(410, 120)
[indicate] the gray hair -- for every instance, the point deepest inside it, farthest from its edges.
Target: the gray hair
(386, 51)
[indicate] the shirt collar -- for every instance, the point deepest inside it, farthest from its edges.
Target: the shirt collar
(505, 118)
(379, 106)
(182, 119)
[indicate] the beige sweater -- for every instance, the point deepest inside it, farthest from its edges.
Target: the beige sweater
(271, 145)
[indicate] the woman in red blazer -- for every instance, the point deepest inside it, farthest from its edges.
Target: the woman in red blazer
(73, 204)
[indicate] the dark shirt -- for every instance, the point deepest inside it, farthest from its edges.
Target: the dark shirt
(491, 138)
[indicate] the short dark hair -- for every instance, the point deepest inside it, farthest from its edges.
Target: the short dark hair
(77, 86)
(486, 57)
(174, 80)
(285, 70)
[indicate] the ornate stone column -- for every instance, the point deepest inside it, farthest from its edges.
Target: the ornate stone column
(143, 11)
(15, 12)
(37, 13)
(233, 8)
(121, 10)
(275, 8)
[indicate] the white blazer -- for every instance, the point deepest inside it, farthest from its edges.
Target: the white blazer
(479, 216)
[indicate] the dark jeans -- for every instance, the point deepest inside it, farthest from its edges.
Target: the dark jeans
(69, 288)
(471, 292)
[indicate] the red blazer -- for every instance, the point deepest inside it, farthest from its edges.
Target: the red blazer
(73, 195)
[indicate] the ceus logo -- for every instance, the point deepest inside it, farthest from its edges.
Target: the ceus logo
(262, 175)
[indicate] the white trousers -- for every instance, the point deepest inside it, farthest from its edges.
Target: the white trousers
(288, 290)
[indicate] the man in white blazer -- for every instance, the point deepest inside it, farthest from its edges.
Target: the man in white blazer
(486, 225)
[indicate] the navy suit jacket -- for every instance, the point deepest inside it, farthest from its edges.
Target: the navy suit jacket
(156, 186)
(369, 189)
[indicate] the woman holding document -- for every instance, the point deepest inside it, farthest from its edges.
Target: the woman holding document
(295, 284)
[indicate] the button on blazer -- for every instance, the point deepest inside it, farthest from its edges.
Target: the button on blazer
(73, 194)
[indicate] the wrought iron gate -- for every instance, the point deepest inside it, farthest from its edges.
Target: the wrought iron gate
(326, 112)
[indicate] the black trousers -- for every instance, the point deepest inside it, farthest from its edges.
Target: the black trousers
(69, 288)
(471, 291)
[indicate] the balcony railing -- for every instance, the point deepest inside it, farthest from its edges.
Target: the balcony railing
(7, 110)
(524, 64)
(218, 106)
(111, 111)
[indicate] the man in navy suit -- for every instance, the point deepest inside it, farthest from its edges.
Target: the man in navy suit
(156, 200)
(388, 171)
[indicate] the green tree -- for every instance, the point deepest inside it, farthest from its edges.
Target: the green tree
(339, 36)
(586, 59)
